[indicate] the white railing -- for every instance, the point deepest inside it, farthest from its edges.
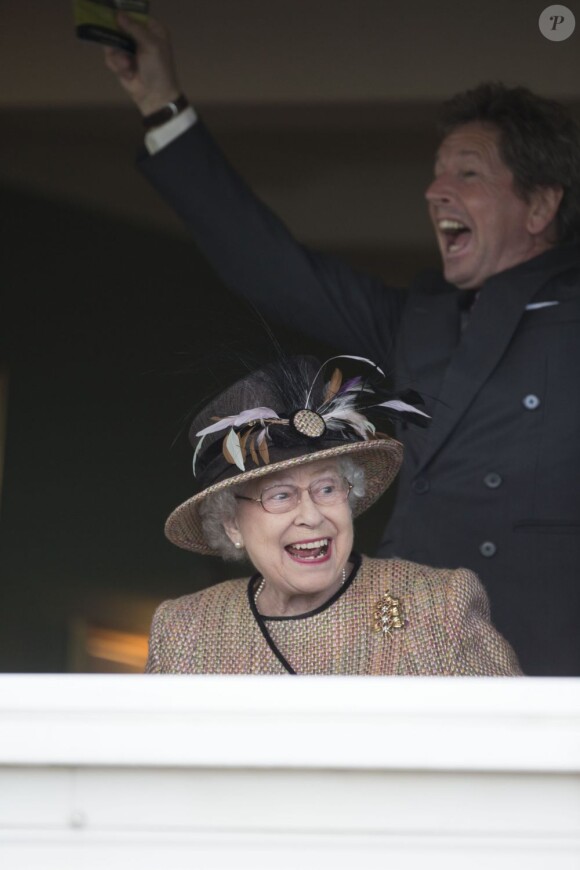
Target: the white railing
(281, 772)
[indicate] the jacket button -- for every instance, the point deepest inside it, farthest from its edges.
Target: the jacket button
(531, 402)
(420, 486)
(493, 480)
(488, 549)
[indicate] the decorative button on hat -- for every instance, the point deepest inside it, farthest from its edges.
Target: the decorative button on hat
(308, 423)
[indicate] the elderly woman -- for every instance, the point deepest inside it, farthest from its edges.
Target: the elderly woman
(283, 462)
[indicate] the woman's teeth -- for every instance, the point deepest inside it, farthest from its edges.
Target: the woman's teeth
(309, 549)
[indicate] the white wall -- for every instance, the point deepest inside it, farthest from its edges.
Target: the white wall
(235, 772)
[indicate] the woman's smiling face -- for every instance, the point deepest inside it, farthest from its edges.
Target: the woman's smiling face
(300, 553)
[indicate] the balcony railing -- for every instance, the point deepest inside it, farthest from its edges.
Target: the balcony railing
(275, 772)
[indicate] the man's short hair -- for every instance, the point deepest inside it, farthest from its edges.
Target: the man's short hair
(539, 143)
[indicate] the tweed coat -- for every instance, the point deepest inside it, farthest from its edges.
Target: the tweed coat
(494, 483)
(446, 629)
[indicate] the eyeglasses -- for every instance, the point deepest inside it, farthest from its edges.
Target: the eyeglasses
(283, 497)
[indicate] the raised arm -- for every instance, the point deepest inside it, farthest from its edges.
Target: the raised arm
(248, 246)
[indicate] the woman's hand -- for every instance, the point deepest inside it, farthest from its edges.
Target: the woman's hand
(149, 75)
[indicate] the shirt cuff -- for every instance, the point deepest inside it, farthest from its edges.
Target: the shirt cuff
(160, 137)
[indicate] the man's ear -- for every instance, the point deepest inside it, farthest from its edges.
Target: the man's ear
(544, 205)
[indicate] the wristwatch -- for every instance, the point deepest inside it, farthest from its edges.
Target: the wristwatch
(169, 111)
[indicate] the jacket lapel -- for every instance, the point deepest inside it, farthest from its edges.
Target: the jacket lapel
(430, 332)
(494, 318)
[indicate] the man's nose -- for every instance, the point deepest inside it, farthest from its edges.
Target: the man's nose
(439, 191)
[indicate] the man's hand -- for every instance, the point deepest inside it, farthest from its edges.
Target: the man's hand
(149, 75)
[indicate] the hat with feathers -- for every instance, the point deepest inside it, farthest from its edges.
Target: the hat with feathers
(285, 415)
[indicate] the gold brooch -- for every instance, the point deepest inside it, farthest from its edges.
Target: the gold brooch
(388, 614)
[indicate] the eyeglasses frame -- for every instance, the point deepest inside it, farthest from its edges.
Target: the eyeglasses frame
(300, 489)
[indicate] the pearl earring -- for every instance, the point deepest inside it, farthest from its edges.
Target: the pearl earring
(238, 545)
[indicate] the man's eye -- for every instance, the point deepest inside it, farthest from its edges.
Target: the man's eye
(468, 173)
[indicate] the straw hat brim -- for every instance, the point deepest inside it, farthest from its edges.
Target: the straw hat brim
(381, 459)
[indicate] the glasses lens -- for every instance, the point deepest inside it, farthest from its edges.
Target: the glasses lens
(330, 490)
(278, 499)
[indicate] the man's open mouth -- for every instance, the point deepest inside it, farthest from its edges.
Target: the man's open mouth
(309, 551)
(455, 233)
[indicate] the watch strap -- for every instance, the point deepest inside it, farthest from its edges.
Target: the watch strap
(169, 111)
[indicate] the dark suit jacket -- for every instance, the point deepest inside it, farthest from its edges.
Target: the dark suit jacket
(494, 483)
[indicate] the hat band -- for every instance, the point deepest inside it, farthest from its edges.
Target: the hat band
(213, 467)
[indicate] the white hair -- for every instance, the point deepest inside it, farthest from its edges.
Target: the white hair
(219, 509)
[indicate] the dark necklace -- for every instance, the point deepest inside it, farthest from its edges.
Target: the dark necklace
(253, 596)
(263, 628)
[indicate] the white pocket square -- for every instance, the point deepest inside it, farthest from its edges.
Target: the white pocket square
(533, 306)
